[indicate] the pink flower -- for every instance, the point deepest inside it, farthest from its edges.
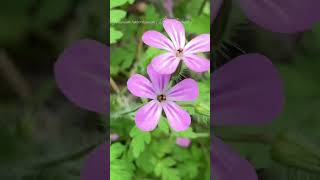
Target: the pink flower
(114, 137)
(183, 142)
(147, 117)
(168, 62)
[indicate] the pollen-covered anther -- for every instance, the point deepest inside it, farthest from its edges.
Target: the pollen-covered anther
(179, 52)
(161, 98)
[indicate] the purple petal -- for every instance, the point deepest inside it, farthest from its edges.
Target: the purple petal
(165, 63)
(179, 119)
(97, 164)
(247, 90)
(148, 116)
(157, 40)
(176, 32)
(140, 86)
(82, 74)
(198, 44)
(196, 63)
(183, 142)
(160, 81)
(186, 90)
(227, 165)
(285, 16)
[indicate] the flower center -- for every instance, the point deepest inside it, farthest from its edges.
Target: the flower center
(179, 52)
(161, 98)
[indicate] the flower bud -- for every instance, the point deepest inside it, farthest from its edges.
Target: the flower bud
(183, 142)
(114, 137)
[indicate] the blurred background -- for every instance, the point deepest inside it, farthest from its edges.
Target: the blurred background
(289, 147)
(42, 134)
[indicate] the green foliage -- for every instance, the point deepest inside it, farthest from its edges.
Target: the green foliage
(164, 168)
(139, 141)
(116, 15)
(122, 58)
(198, 25)
(120, 169)
(155, 154)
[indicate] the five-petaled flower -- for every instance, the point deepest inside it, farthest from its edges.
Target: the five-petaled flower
(177, 48)
(148, 116)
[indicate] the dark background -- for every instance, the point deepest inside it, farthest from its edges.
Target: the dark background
(287, 148)
(43, 135)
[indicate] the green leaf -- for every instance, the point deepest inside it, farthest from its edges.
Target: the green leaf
(116, 151)
(187, 133)
(122, 58)
(146, 162)
(153, 18)
(117, 15)
(198, 25)
(139, 141)
(188, 169)
(117, 3)
(163, 126)
(206, 9)
(162, 147)
(121, 170)
(165, 170)
(115, 35)
(148, 55)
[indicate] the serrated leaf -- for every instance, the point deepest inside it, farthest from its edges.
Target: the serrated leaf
(139, 141)
(115, 35)
(117, 15)
(145, 162)
(188, 169)
(165, 170)
(116, 151)
(162, 147)
(121, 170)
(187, 133)
(163, 164)
(117, 3)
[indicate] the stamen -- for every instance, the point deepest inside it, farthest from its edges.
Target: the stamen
(161, 98)
(179, 52)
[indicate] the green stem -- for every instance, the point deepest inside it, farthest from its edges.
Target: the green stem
(123, 113)
(139, 53)
(201, 7)
(200, 135)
